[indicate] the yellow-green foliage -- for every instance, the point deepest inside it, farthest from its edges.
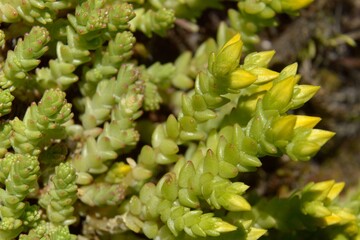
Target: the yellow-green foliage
(132, 151)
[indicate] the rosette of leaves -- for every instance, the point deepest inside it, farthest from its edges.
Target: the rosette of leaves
(48, 231)
(60, 72)
(108, 62)
(236, 114)
(206, 175)
(96, 21)
(157, 80)
(19, 175)
(41, 123)
(119, 133)
(23, 59)
(108, 93)
(93, 24)
(60, 196)
(151, 21)
(29, 11)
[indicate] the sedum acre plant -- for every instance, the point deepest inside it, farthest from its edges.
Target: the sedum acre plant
(95, 145)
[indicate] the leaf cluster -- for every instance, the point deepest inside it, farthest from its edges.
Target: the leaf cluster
(122, 150)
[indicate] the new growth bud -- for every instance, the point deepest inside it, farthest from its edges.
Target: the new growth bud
(228, 58)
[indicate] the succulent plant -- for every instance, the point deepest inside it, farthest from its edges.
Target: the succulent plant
(118, 149)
